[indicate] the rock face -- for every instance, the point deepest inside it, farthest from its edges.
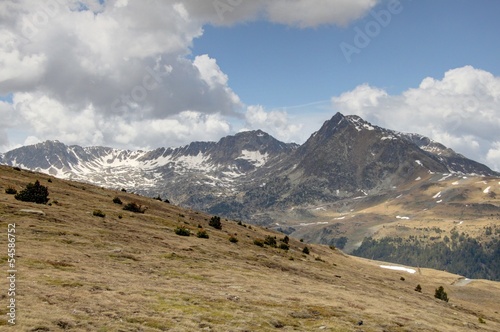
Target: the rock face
(252, 173)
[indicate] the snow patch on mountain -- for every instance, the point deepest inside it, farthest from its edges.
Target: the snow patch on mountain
(254, 157)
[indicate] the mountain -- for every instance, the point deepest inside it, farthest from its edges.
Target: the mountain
(352, 185)
(251, 173)
(116, 270)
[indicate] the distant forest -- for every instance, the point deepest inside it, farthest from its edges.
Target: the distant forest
(459, 254)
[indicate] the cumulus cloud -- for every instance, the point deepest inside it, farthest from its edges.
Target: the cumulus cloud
(276, 123)
(461, 110)
(119, 72)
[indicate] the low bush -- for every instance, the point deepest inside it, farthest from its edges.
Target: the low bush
(35, 193)
(418, 288)
(182, 231)
(284, 246)
(202, 234)
(258, 242)
(134, 207)
(117, 200)
(99, 213)
(233, 239)
(270, 241)
(10, 191)
(306, 250)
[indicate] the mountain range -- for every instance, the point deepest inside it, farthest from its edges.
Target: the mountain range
(251, 173)
(367, 190)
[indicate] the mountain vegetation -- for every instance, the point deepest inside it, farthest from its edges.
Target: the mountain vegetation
(461, 255)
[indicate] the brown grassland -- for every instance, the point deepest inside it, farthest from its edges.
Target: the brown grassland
(131, 272)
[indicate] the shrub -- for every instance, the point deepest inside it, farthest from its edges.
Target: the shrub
(117, 200)
(134, 207)
(202, 234)
(270, 241)
(10, 191)
(17, 169)
(182, 231)
(233, 239)
(418, 288)
(124, 190)
(402, 279)
(49, 180)
(305, 250)
(215, 222)
(158, 198)
(284, 246)
(34, 192)
(441, 294)
(285, 240)
(99, 213)
(167, 201)
(258, 242)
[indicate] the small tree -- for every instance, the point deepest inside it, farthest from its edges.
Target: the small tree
(117, 200)
(286, 239)
(270, 241)
(34, 192)
(441, 294)
(305, 250)
(418, 288)
(215, 222)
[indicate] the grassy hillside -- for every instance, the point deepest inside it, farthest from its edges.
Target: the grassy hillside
(131, 272)
(448, 222)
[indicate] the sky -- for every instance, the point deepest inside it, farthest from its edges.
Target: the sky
(163, 73)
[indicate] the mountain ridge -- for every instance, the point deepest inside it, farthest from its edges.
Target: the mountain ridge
(244, 175)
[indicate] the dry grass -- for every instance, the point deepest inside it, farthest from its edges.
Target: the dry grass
(79, 272)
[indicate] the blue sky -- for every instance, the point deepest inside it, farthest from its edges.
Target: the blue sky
(157, 73)
(277, 65)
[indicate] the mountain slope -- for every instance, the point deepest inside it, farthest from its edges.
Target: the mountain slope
(131, 272)
(252, 175)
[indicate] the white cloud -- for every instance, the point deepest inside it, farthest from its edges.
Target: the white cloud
(461, 110)
(312, 13)
(493, 155)
(276, 123)
(300, 13)
(119, 72)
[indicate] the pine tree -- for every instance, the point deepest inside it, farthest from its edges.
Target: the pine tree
(35, 193)
(441, 294)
